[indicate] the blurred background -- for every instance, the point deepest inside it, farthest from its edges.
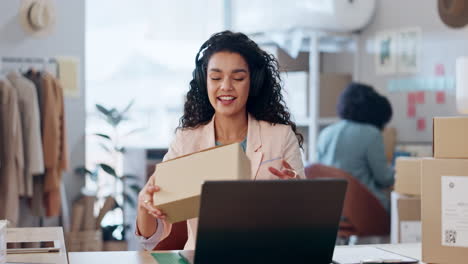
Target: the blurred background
(125, 66)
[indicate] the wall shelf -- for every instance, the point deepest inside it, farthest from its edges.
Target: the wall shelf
(313, 42)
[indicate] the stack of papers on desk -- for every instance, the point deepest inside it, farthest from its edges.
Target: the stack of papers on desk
(358, 255)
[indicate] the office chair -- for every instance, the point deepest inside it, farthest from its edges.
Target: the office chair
(176, 239)
(363, 216)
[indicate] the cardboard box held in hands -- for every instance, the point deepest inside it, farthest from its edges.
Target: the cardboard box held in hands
(180, 179)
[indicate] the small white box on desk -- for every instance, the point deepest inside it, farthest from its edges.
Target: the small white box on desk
(3, 227)
(405, 218)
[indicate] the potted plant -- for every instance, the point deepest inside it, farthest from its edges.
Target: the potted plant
(124, 186)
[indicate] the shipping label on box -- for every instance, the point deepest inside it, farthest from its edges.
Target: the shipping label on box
(410, 231)
(454, 191)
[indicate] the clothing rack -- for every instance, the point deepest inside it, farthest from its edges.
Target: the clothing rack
(51, 65)
(33, 60)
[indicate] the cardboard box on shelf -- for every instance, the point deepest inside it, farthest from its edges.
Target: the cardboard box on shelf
(444, 189)
(286, 62)
(408, 176)
(89, 221)
(450, 137)
(331, 86)
(180, 179)
(389, 136)
(405, 218)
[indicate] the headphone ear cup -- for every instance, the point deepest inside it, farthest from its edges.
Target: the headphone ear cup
(200, 77)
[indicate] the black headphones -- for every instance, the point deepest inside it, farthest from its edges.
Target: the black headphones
(257, 75)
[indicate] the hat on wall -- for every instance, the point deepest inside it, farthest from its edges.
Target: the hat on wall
(454, 13)
(37, 17)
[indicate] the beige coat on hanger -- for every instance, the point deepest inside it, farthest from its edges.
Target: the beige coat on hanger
(54, 142)
(31, 129)
(11, 153)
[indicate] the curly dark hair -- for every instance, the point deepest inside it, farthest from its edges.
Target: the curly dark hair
(361, 103)
(265, 101)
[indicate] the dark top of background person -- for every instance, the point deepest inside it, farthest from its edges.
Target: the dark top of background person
(361, 103)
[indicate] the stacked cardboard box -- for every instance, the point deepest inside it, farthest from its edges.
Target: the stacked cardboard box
(406, 202)
(181, 179)
(444, 186)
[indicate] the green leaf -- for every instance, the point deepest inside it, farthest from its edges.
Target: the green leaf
(82, 171)
(128, 107)
(133, 131)
(120, 149)
(130, 176)
(94, 175)
(102, 109)
(129, 199)
(108, 169)
(103, 136)
(135, 187)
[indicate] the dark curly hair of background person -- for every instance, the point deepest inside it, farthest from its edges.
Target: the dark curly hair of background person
(361, 103)
(265, 101)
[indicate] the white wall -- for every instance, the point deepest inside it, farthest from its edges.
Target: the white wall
(68, 39)
(440, 44)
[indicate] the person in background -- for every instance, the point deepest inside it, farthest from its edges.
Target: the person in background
(234, 96)
(355, 143)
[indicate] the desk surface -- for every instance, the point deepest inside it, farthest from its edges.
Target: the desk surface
(35, 235)
(143, 257)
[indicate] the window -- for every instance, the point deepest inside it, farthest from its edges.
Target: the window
(142, 50)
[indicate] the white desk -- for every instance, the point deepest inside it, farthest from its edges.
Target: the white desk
(144, 257)
(36, 234)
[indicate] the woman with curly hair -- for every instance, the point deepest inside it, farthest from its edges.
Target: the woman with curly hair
(234, 96)
(355, 144)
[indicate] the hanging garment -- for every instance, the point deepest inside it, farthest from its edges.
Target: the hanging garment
(12, 169)
(32, 143)
(54, 142)
(37, 202)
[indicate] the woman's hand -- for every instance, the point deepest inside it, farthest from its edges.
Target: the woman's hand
(287, 172)
(145, 199)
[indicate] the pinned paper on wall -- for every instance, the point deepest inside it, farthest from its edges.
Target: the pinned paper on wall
(68, 75)
(385, 57)
(411, 112)
(408, 43)
(440, 97)
(421, 124)
(420, 97)
(411, 99)
(439, 70)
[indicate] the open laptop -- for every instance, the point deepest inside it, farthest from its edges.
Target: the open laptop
(293, 221)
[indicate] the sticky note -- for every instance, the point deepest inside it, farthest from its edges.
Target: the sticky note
(68, 75)
(440, 97)
(439, 70)
(421, 124)
(411, 98)
(411, 111)
(420, 97)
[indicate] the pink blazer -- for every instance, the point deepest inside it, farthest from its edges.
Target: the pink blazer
(267, 145)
